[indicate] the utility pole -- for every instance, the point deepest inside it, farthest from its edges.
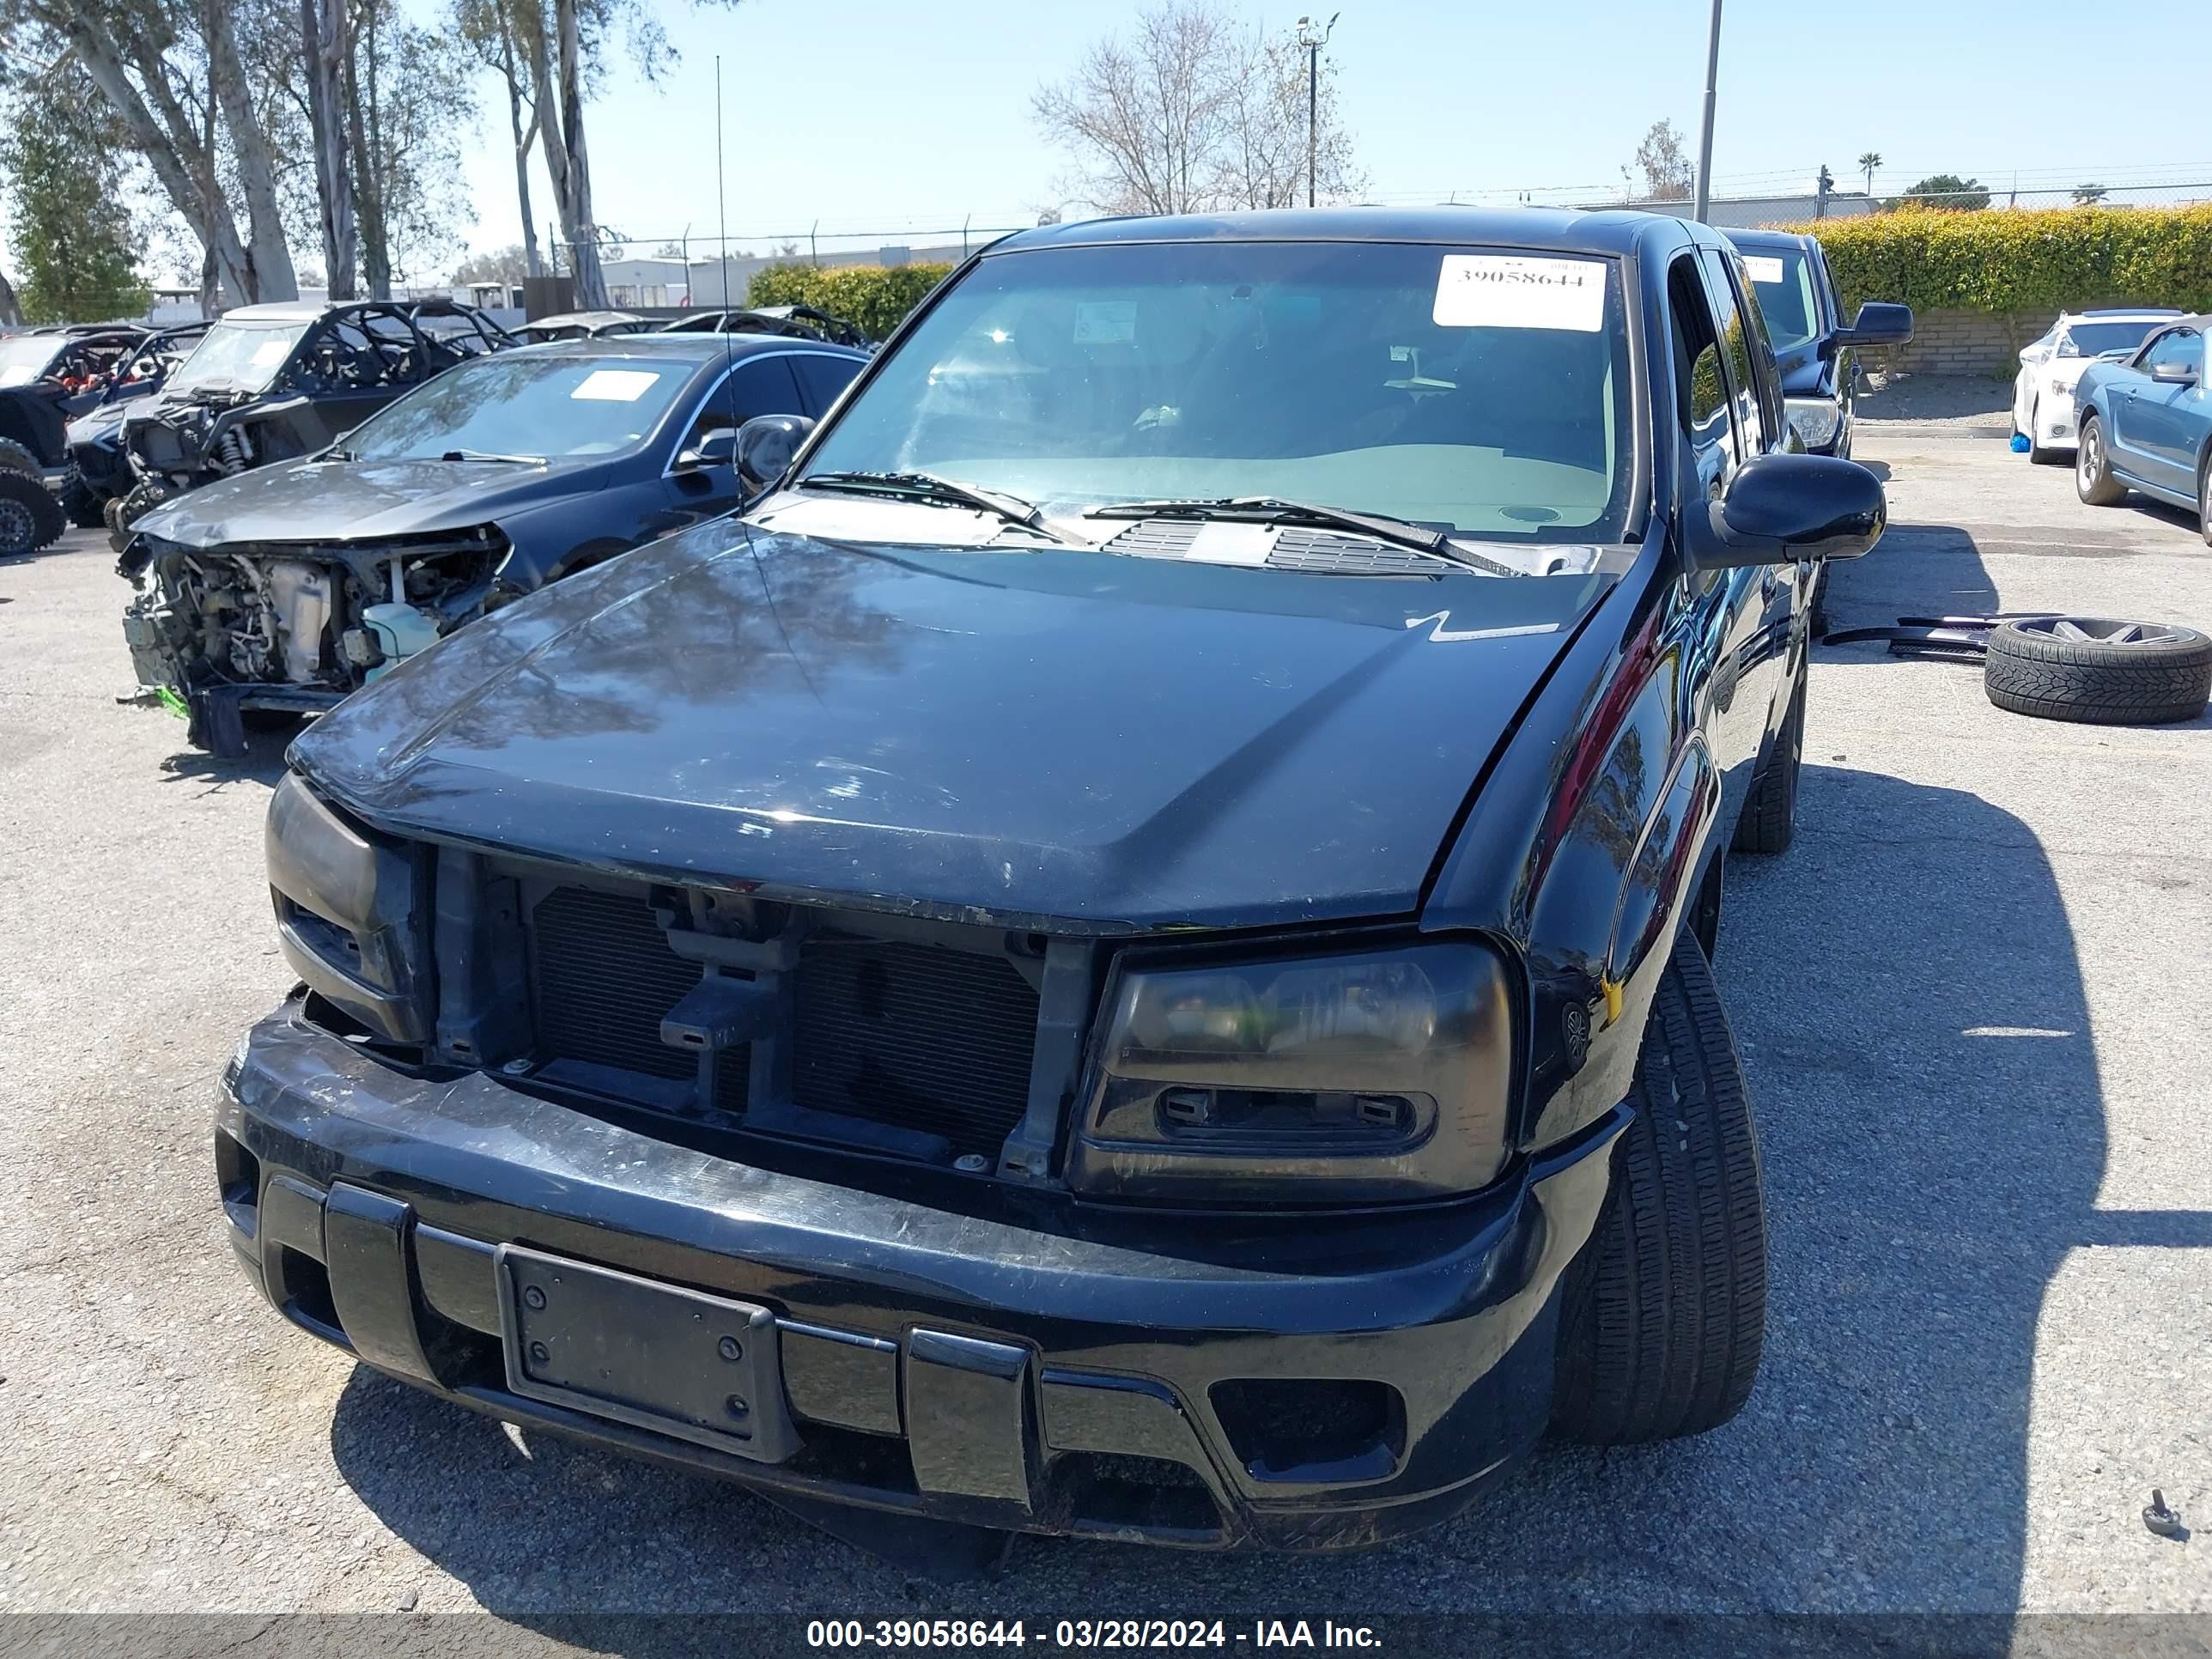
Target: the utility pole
(1313, 37)
(1704, 201)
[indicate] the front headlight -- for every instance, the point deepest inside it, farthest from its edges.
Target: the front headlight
(2063, 388)
(1369, 1076)
(347, 916)
(1814, 420)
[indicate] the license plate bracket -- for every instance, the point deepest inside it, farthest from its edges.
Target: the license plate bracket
(702, 1368)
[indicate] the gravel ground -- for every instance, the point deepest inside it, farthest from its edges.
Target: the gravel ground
(1975, 402)
(1968, 1002)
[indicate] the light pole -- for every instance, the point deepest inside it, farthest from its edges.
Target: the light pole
(1704, 202)
(1313, 37)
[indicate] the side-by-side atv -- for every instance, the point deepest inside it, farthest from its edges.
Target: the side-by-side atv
(47, 377)
(275, 382)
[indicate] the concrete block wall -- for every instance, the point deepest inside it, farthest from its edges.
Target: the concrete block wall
(1965, 343)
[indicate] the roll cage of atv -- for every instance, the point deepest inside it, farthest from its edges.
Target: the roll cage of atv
(35, 415)
(351, 360)
(796, 322)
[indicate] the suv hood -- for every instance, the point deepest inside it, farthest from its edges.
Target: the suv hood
(353, 500)
(1030, 738)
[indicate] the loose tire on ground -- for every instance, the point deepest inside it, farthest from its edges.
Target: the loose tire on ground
(2097, 672)
(30, 517)
(1665, 1311)
(17, 457)
(1770, 817)
(2092, 471)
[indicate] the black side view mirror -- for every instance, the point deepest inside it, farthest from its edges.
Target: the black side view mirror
(1781, 508)
(1878, 323)
(718, 448)
(2173, 374)
(766, 444)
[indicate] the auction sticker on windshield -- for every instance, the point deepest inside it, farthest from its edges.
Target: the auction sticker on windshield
(615, 385)
(1515, 290)
(1763, 267)
(1106, 322)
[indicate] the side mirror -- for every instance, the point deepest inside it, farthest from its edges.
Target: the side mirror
(2173, 375)
(766, 444)
(1878, 323)
(1781, 508)
(716, 448)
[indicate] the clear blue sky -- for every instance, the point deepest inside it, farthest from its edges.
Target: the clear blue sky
(871, 116)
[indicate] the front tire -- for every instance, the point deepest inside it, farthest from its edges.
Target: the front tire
(1665, 1311)
(2037, 454)
(2092, 469)
(30, 517)
(2204, 500)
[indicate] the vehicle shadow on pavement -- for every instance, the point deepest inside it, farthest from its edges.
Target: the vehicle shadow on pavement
(1914, 1027)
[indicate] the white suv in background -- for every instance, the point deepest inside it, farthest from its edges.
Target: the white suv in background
(2043, 392)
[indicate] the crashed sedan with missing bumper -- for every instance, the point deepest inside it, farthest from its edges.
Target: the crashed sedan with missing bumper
(1127, 952)
(287, 587)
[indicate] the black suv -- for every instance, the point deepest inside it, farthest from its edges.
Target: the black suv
(1125, 953)
(1817, 353)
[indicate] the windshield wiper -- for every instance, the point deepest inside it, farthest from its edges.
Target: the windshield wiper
(1274, 509)
(485, 455)
(946, 492)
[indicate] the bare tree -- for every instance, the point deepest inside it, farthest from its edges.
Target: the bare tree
(323, 31)
(497, 32)
(1194, 113)
(1264, 143)
(1668, 174)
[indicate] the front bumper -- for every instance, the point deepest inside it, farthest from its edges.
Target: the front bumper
(933, 1362)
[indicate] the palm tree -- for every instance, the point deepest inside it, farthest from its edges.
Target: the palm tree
(1868, 163)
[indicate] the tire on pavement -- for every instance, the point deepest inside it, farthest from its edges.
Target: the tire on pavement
(2037, 454)
(2097, 671)
(1770, 817)
(30, 517)
(2092, 469)
(1664, 1313)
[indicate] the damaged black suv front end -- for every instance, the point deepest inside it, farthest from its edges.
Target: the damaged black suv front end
(925, 1215)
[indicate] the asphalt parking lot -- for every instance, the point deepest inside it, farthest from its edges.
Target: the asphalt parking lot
(1970, 1001)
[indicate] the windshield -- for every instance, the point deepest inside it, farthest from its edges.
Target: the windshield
(24, 358)
(1784, 286)
(239, 356)
(1480, 391)
(2094, 339)
(523, 404)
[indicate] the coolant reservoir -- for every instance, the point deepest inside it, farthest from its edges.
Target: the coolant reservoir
(401, 630)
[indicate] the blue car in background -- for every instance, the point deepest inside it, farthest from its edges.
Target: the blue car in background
(2146, 423)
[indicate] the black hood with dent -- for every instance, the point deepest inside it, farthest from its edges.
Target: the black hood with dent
(355, 500)
(1023, 737)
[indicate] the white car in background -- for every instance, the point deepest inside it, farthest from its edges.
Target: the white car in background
(2042, 392)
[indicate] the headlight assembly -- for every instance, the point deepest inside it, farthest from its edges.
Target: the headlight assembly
(1369, 1076)
(347, 915)
(1814, 420)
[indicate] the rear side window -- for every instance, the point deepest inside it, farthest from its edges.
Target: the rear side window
(762, 386)
(822, 377)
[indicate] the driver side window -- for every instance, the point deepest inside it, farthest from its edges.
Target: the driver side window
(2178, 345)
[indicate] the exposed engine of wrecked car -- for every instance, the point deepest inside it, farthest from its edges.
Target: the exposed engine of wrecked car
(326, 618)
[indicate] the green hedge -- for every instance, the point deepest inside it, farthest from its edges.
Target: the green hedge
(2001, 261)
(876, 297)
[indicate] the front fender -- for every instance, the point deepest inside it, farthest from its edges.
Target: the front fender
(1586, 850)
